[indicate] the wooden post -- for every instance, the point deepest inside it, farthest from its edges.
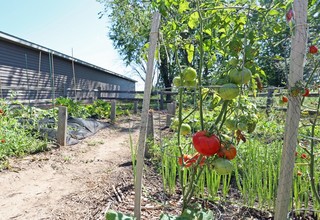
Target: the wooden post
(135, 107)
(297, 58)
(113, 110)
(269, 100)
(62, 126)
(150, 134)
(171, 112)
(99, 93)
(144, 114)
(65, 90)
(161, 101)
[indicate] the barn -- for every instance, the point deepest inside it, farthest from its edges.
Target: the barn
(32, 72)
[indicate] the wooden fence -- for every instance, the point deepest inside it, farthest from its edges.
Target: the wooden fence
(159, 96)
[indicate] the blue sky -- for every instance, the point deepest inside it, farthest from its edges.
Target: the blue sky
(64, 25)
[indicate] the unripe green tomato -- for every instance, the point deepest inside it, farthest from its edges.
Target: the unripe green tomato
(223, 166)
(242, 126)
(240, 76)
(189, 74)
(185, 129)
(177, 82)
(191, 83)
(229, 91)
(233, 62)
(231, 124)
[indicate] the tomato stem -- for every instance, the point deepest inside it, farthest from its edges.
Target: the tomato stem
(222, 113)
(200, 63)
(312, 156)
(310, 78)
(179, 125)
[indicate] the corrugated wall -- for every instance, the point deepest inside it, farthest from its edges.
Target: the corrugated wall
(22, 66)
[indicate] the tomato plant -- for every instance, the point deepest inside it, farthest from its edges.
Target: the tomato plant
(205, 143)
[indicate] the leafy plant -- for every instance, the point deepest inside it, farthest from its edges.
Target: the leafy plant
(75, 108)
(194, 213)
(113, 215)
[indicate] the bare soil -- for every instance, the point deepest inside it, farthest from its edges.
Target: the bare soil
(70, 182)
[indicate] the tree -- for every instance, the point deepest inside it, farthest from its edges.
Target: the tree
(254, 34)
(129, 29)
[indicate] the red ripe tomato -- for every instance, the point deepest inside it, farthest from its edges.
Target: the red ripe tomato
(187, 159)
(313, 49)
(289, 15)
(196, 157)
(284, 99)
(304, 156)
(228, 152)
(306, 92)
(205, 143)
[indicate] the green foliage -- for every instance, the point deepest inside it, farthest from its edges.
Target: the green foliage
(113, 215)
(99, 109)
(194, 213)
(18, 132)
(75, 108)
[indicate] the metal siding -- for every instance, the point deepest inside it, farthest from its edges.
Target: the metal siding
(14, 59)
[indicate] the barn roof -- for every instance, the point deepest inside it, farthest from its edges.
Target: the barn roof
(25, 43)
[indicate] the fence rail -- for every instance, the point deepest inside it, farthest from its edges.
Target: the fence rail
(97, 93)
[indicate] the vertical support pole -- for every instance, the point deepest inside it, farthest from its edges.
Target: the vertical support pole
(297, 60)
(113, 111)
(150, 134)
(135, 107)
(65, 90)
(161, 101)
(269, 100)
(144, 114)
(99, 93)
(62, 126)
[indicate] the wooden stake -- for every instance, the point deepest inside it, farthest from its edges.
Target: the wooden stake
(150, 134)
(297, 58)
(62, 126)
(144, 114)
(113, 111)
(135, 107)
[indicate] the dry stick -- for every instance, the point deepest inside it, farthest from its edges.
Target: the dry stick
(298, 52)
(144, 114)
(38, 79)
(74, 78)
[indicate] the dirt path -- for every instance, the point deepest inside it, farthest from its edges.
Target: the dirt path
(69, 182)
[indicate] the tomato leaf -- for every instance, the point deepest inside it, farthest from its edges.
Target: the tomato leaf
(183, 6)
(190, 51)
(273, 12)
(193, 20)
